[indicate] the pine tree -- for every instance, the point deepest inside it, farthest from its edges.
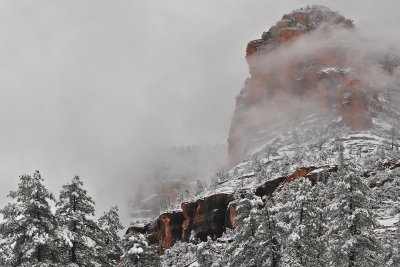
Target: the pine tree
(110, 247)
(352, 241)
(6, 255)
(137, 253)
(181, 254)
(388, 190)
(209, 253)
(320, 195)
(301, 220)
(270, 236)
(28, 227)
(79, 232)
(394, 251)
(243, 251)
(200, 187)
(388, 197)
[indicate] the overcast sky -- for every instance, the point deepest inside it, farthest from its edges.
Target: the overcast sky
(90, 87)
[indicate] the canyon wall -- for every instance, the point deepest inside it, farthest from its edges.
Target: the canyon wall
(212, 215)
(327, 77)
(332, 79)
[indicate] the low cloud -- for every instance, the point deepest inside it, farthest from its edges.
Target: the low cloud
(97, 88)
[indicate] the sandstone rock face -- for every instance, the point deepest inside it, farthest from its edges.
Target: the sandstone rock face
(138, 228)
(294, 25)
(331, 78)
(212, 215)
(312, 173)
(207, 216)
(189, 211)
(354, 106)
(166, 230)
(269, 187)
(280, 71)
(230, 216)
(302, 172)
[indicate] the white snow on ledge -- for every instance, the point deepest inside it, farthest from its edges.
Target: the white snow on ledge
(389, 221)
(335, 69)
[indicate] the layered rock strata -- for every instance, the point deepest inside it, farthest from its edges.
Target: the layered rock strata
(285, 73)
(212, 215)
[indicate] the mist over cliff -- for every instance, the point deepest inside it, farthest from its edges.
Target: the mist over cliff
(95, 89)
(313, 62)
(314, 156)
(207, 123)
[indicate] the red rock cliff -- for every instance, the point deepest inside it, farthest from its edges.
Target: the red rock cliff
(279, 70)
(328, 76)
(206, 217)
(166, 230)
(209, 216)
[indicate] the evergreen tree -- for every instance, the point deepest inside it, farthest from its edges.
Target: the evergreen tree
(110, 247)
(137, 253)
(243, 251)
(6, 255)
(28, 227)
(320, 227)
(270, 236)
(301, 219)
(209, 253)
(388, 188)
(352, 241)
(181, 254)
(394, 251)
(79, 232)
(200, 187)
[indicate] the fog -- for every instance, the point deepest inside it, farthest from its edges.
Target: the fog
(96, 88)
(311, 77)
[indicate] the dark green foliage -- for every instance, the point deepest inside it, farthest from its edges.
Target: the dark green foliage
(79, 232)
(110, 247)
(28, 229)
(137, 253)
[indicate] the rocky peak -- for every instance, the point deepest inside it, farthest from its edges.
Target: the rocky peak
(306, 61)
(296, 24)
(290, 80)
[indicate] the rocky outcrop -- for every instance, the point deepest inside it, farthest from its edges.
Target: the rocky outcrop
(138, 228)
(294, 25)
(189, 211)
(301, 172)
(206, 216)
(230, 216)
(314, 174)
(166, 229)
(328, 77)
(211, 216)
(269, 187)
(354, 106)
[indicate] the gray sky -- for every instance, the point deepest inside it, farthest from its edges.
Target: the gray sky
(91, 87)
